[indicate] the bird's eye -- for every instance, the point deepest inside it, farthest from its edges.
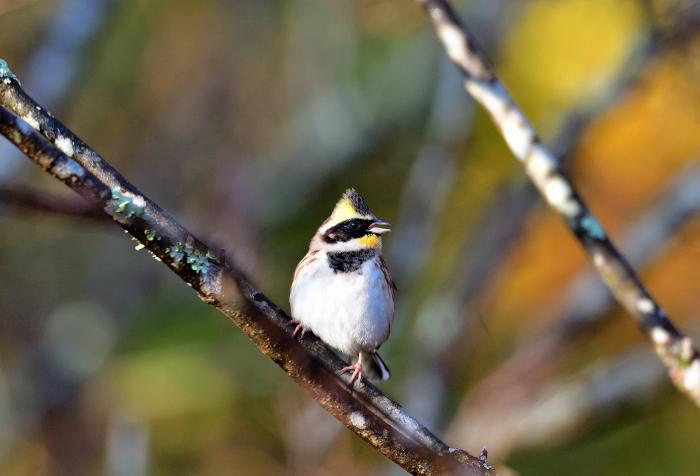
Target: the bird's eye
(354, 225)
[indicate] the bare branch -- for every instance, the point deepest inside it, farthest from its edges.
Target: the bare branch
(503, 222)
(675, 350)
(514, 389)
(30, 200)
(362, 408)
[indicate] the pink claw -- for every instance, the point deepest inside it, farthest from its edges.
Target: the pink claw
(300, 326)
(357, 369)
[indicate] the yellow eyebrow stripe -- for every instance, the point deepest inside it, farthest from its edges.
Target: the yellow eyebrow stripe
(343, 211)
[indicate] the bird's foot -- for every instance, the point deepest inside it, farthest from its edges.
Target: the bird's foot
(300, 327)
(357, 371)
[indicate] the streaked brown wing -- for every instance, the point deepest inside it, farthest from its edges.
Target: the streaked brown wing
(308, 259)
(388, 277)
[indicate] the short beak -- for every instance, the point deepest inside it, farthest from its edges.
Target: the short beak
(376, 230)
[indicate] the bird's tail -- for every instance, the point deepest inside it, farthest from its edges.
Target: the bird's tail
(374, 367)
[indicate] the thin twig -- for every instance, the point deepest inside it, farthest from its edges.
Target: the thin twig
(504, 221)
(29, 200)
(362, 408)
(588, 306)
(675, 350)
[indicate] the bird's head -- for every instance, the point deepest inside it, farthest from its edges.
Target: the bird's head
(352, 225)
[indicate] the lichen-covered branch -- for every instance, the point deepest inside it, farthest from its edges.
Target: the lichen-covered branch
(675, 350)
(362, 408)
(510, 395)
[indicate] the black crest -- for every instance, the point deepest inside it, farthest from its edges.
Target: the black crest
(358, 202)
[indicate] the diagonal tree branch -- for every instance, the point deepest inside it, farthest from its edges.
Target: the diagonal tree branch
(503, 222)
(362, 408)
(514, 390)
(675, 350)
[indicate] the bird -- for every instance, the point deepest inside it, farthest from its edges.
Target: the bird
(342, 290)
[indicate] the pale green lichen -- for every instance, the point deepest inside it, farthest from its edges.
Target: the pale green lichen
(150, 236)
(199, 263)
(125, 204)
(196, 262)
(592, 226)
(139, 245)
(6, 73)
(177, 252)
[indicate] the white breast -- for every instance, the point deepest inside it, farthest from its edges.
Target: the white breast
(349, 311)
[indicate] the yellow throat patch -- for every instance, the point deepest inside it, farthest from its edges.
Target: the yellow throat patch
(369, 240)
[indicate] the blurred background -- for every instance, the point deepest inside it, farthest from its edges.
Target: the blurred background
(246, 120)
